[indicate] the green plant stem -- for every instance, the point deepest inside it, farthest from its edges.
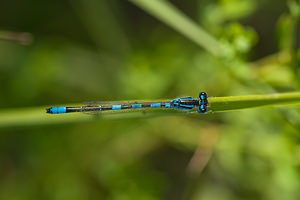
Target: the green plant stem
(221, 104)
(166, 12)
(38, 116)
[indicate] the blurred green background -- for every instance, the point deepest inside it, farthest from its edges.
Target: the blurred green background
(89, 50)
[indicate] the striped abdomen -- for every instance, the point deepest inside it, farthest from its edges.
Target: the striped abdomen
(60, 110)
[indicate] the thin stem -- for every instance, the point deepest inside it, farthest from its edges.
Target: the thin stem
(220, 104)
(166, 12)
(17, 37)
(38, 116)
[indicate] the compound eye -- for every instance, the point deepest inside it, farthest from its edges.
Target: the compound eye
(202, 109)
(202, 95)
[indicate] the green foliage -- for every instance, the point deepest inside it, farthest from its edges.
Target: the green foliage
(285, 31)
(217, 13)
(240, 39)
(112, 50)
(294, 7)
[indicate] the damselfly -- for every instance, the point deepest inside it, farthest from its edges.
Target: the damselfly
(186, 103)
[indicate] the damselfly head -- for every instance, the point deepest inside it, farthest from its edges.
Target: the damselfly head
(203, 102)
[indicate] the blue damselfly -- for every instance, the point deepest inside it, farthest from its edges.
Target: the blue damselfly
(186, 103)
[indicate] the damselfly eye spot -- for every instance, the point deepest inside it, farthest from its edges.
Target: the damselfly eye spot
(202, 95)
(202, 109)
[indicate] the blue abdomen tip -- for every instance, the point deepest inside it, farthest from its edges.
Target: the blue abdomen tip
(56, 110)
